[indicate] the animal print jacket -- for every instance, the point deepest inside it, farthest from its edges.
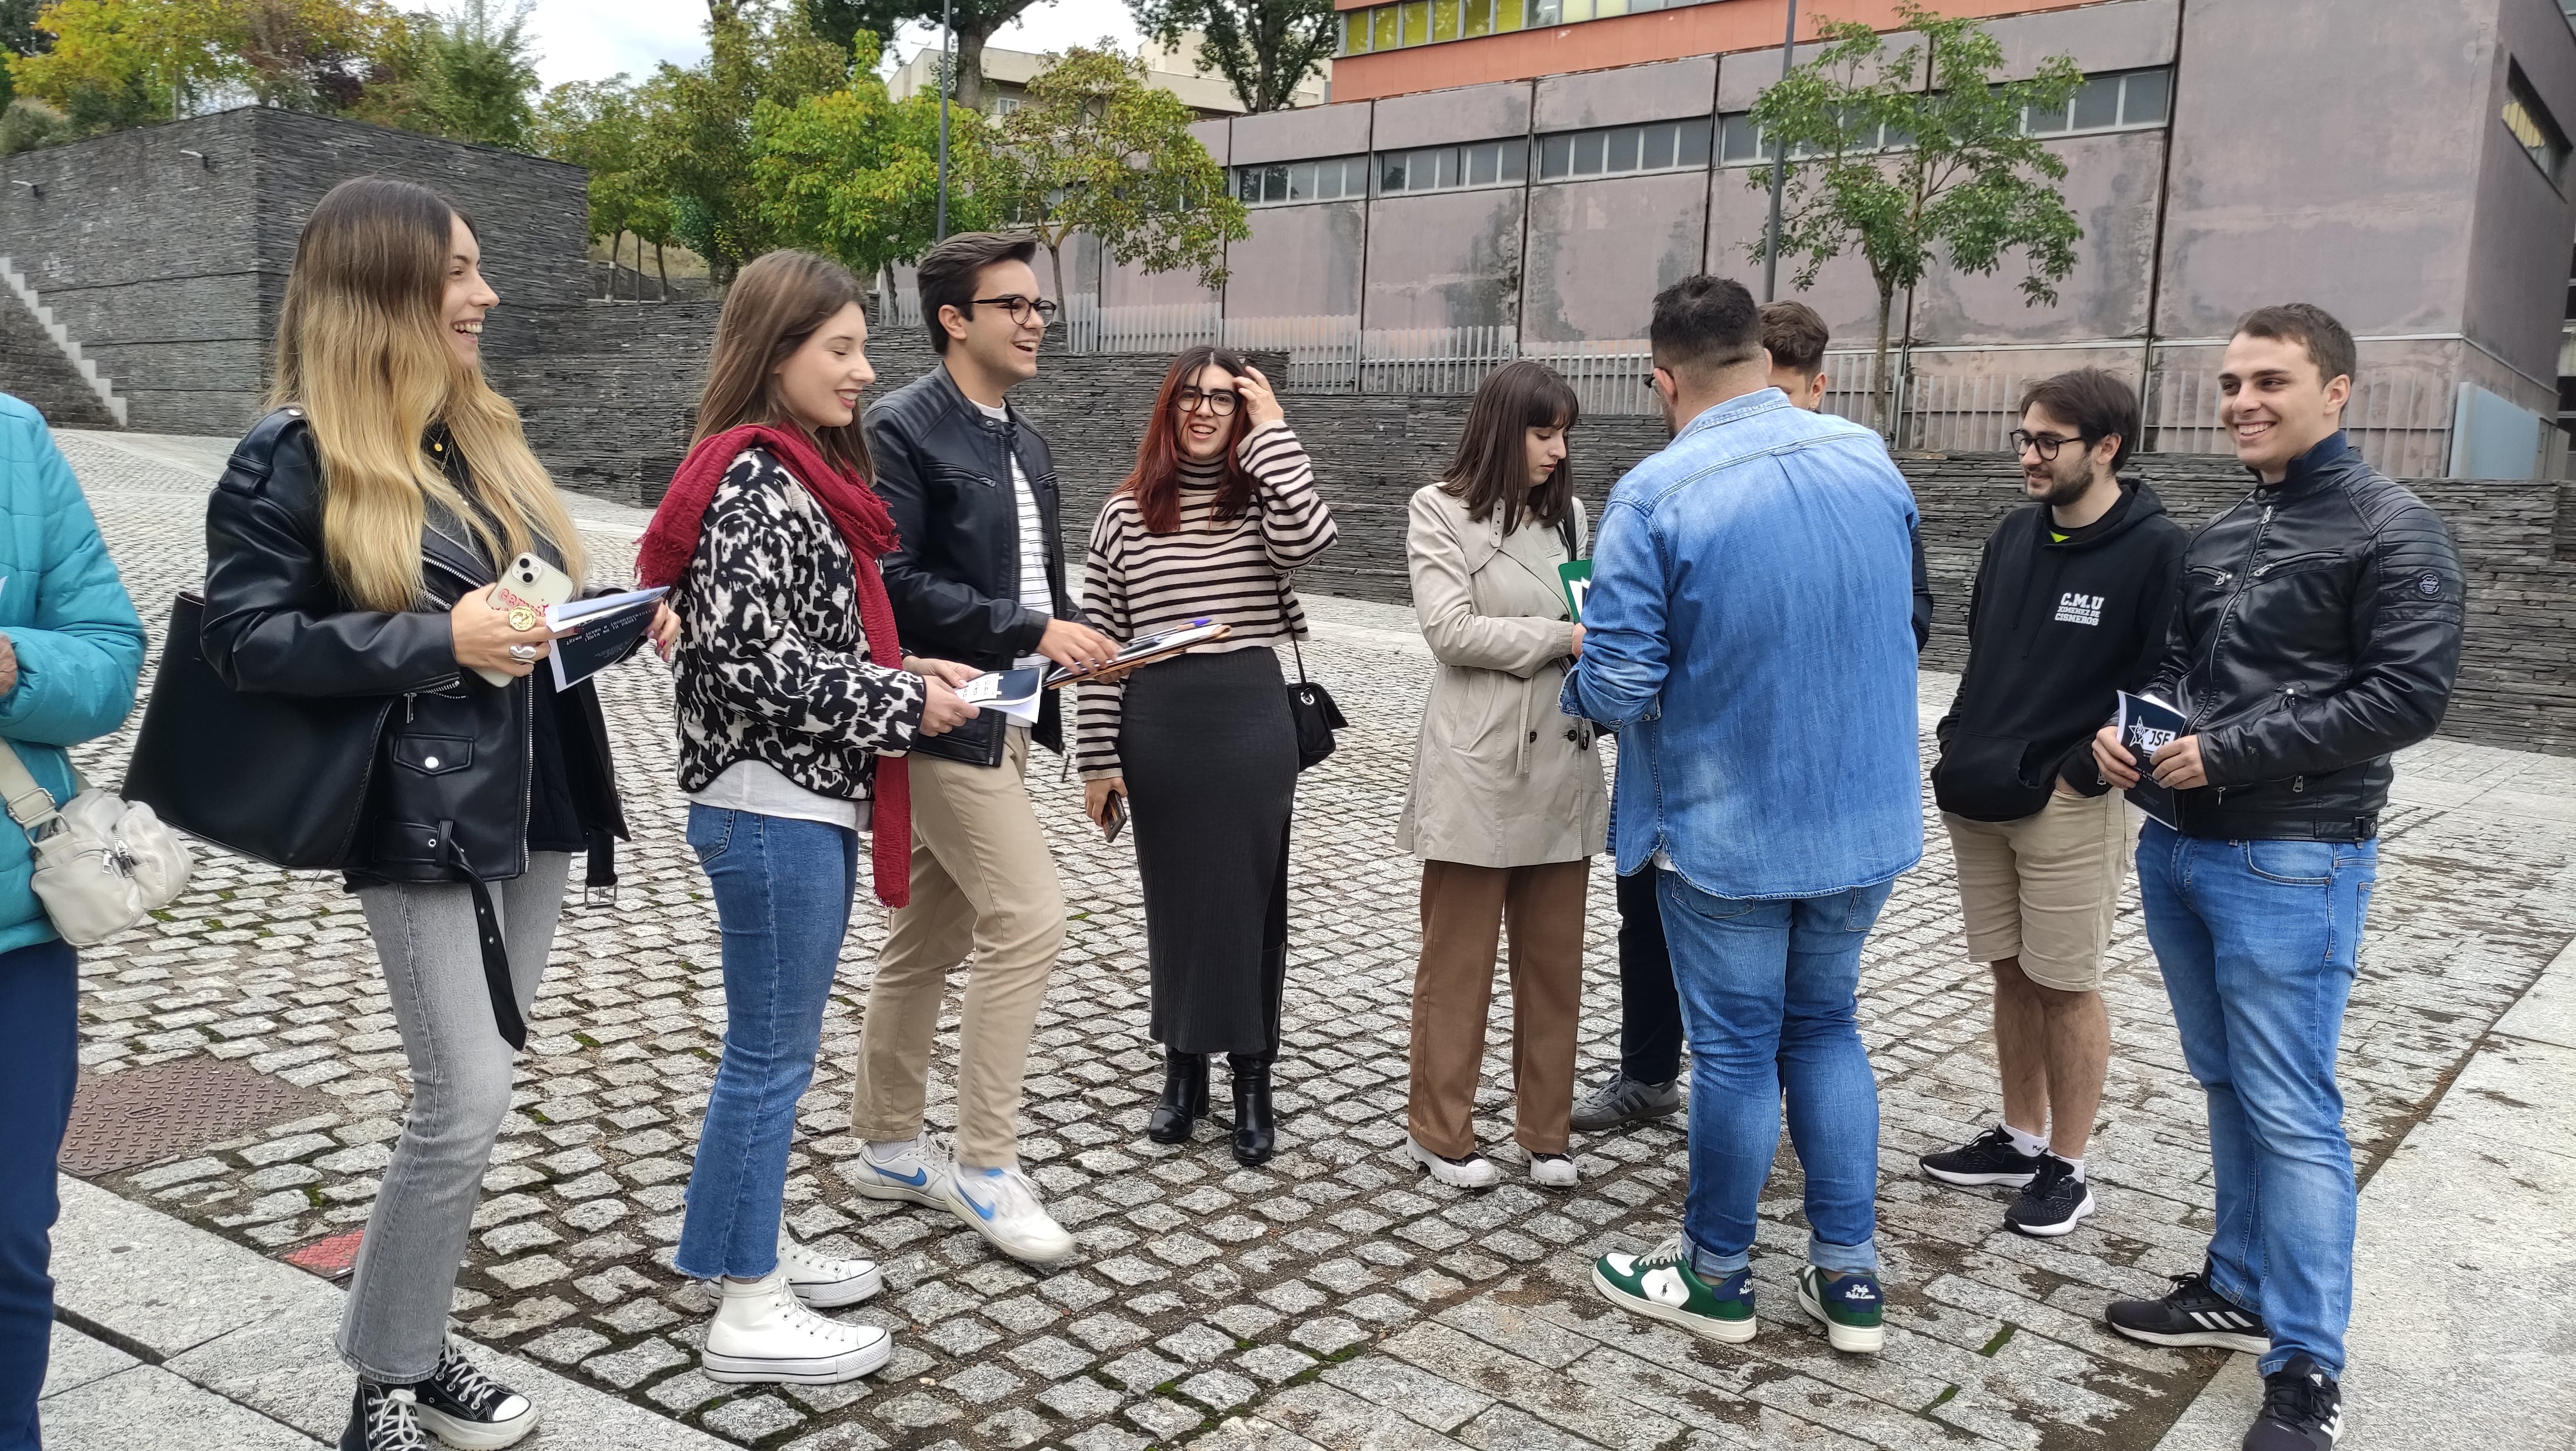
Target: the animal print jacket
(772, 664)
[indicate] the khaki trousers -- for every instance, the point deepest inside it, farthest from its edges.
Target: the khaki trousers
(1464, 912)
(981, 879)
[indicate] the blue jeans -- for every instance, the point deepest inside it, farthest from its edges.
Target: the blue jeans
(2257, 940)
(39, 1036)
(1769, 994)
(783, 889)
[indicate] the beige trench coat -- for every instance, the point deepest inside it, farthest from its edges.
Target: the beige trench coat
(1501, 778)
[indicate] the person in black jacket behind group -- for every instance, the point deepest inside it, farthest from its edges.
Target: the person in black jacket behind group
(2070, 605)
(2317, 631)
(352, 547)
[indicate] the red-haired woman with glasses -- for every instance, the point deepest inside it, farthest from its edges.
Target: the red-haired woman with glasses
(1220, 509)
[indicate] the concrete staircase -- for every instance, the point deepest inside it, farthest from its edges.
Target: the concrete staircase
(41, 363)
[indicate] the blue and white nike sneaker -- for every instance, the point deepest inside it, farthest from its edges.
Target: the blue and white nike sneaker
(911, 1171)
(1002, 1206)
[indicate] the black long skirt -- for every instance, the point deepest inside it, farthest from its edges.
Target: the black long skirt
(1211, 763)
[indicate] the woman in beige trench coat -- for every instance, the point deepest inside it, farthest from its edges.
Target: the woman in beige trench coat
(1506, 806)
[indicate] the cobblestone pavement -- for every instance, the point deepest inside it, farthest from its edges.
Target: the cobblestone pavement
(1334, 1298)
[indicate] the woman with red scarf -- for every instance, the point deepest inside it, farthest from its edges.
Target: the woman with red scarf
(769, 538)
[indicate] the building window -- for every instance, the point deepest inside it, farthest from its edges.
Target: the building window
(1429, 22)
(1331, 179)
(2118, 102)
(1614, 150)
(2533, 126)
(1447, 168)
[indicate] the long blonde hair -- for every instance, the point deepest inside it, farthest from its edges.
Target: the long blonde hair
(361, 347)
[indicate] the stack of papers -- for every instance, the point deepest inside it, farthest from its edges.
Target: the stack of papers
(1150, 647)
(1012, 692)
(606, 630)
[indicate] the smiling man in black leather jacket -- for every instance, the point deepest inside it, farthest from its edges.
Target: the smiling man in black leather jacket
(2317, 632)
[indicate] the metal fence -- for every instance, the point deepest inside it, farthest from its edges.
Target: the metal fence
(2400, 422)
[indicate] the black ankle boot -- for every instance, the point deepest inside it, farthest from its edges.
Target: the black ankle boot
(1256, 1132)
(1184, 1101)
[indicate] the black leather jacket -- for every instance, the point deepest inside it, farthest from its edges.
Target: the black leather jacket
(2318, 630)
(451, 793)
(943, 469)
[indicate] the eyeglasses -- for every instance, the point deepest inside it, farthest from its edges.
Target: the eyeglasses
(1020, 307)
(1219, 404)
(2045, 445)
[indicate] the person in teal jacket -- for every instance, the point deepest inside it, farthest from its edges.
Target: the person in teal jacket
(70, 651)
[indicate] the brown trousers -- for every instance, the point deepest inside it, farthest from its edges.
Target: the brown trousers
(1464, 912)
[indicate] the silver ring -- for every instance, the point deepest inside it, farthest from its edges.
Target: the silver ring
(523, 652)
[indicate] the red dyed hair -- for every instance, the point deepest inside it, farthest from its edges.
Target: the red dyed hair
(1156, 481)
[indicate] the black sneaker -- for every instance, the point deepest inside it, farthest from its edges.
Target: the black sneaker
(1622, 1100)
(2302, 1410)
(1989, 1158)
(466, 1408)
(380, 1419)
(2052, 1204)
(2192, 1313)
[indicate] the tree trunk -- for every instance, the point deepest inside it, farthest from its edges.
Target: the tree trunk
(1882, 389)
(1055, 259)
(660, 265)
(970, 69)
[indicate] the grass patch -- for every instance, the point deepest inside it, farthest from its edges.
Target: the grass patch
(2002, 1338)
(1939, 1401)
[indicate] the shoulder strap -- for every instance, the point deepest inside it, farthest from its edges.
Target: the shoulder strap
(30, 804)
(1565, 531)
(1289, 624)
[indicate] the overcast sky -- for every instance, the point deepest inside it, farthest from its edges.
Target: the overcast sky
(588, 40)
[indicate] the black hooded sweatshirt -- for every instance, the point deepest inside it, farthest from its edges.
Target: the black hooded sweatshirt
(2057, 622)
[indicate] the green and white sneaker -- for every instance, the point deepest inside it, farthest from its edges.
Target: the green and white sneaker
(1662, 1284)
(1853, 1311)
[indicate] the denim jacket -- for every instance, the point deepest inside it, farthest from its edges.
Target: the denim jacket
(1750, 635)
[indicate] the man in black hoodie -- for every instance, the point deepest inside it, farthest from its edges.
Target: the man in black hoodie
(2070, 605)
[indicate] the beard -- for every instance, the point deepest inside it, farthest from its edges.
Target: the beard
(2061, 489)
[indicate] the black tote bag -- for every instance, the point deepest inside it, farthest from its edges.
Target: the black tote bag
(280, 778)
(1310, 706)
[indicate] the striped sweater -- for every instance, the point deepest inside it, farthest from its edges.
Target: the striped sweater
(1224, 570)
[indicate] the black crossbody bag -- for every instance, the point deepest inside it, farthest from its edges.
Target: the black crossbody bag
(1310, 706)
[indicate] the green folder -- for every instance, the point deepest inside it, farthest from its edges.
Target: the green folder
(1577, 579)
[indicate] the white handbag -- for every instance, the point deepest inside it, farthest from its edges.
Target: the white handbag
(102, 864)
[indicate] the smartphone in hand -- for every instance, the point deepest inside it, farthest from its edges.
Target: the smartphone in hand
(1114, 816)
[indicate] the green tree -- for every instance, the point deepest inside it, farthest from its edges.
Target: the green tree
(124, 62)
(600, 126)
(1097, 150)
(1914, 154)
(973, 22)
(18, 36)
(699, 129)
(1265, 49)
(855, 173)
(470, 76)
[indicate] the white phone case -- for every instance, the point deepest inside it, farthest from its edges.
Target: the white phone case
(528, 581)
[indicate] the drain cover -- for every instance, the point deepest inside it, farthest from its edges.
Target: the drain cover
(142, 1116)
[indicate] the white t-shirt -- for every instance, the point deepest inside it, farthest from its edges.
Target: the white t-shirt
(1034, 594)
(761, 788)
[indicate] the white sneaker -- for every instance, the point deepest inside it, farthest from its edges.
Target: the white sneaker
(1552, 1171)
(1002, 1206)
(912, 1171)
(1472, 1172)
(762, 1332)
(823, 1281)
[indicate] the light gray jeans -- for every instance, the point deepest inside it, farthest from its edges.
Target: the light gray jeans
(396, 1320)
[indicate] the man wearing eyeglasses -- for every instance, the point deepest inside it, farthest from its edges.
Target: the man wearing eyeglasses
(978, 576)
(2070, 605)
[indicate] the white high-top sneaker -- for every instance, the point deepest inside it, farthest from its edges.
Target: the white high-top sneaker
(823, 1281)
(762, 1332)
(1002, 1206)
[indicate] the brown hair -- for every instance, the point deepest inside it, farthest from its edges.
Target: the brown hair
(949, 272)
(1796, 337)
(2329, 344)
(773, 306)
(1156, 481)
(2100, 405)
(1702, 324)
(1491, 469)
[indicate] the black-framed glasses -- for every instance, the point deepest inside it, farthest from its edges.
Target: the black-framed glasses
(1020, 307)
(2045, 445)
(1219, 403)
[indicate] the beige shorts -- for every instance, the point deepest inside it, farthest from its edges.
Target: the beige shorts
(2045, 888)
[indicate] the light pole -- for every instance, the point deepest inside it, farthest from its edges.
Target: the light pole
(1779, 174)
(946, 84)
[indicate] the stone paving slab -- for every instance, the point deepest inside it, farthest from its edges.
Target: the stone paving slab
(150, 1409)
(1299, 1302)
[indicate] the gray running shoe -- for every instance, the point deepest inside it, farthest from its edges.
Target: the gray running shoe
(1622, 1100)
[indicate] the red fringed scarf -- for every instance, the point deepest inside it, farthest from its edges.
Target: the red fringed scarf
(672, 539)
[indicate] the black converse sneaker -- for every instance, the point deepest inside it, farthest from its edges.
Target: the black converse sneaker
(466, 1408)
(2192, 1313)
(2055, 1200)
(380, 1419)
(1989, 1158)
(2302, 1410)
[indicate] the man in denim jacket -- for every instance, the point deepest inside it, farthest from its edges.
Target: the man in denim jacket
(1750, 633)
